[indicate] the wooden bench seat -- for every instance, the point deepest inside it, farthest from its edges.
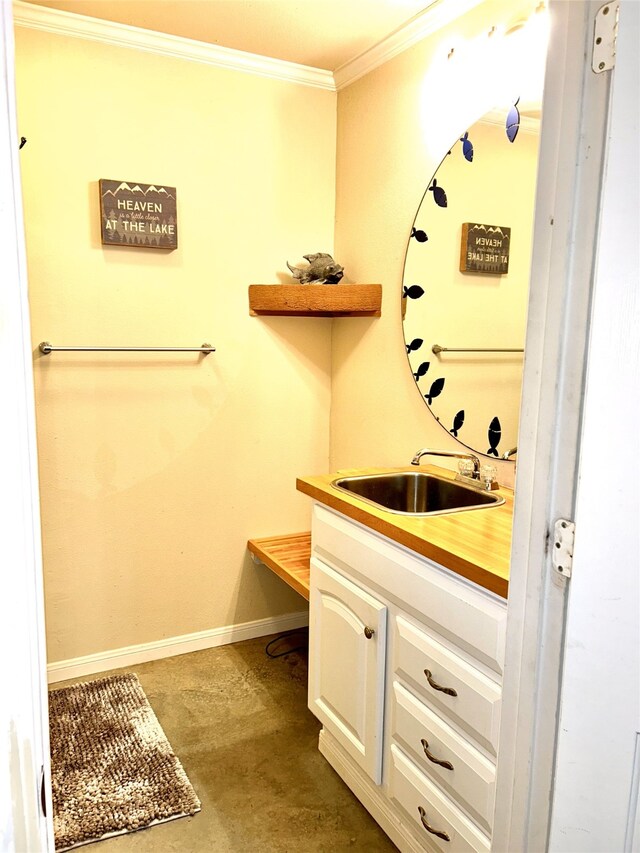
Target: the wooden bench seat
(288, 556)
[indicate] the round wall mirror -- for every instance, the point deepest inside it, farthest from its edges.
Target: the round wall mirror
(466, 281)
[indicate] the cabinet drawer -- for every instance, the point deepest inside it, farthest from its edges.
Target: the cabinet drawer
(467, 775)
(468, 616)
(428, 666)
(431, 811)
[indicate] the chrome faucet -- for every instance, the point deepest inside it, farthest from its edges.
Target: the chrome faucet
(455, 453)
(509, 453)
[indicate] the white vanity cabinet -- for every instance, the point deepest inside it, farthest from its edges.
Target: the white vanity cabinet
(405, 669)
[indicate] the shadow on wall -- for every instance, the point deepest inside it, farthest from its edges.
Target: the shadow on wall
(259, 591)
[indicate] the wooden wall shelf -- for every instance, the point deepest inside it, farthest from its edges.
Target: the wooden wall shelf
(315, 300)
(289, 556)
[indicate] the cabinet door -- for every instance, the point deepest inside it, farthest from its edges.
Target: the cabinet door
(347, 637)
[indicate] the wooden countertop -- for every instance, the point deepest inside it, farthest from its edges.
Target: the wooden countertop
(474, 544)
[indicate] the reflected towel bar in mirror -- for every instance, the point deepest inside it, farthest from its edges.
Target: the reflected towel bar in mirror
(436, 349)
(46, 348)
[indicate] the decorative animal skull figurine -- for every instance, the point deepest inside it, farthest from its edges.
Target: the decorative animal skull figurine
(322, 269)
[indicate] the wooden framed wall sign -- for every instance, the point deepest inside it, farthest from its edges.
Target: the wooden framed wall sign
(485, 248)
(135, 214)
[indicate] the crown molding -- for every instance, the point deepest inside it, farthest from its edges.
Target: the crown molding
(437, 15)
(55, 21)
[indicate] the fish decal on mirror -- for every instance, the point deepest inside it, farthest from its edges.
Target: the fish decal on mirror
(513, 122)
(439, 194)
(419, 235)
(494, 435)
(467, 147)
(413, 292)
(421, 370)
(435, 390)
(457, 423)
(415, 344)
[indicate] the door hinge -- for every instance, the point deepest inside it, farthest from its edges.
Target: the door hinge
(605, 33)
(563, 538)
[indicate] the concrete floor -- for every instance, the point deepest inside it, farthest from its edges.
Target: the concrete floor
(238, 721)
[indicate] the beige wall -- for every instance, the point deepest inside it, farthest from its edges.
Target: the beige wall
(155, 469)
(394, 127)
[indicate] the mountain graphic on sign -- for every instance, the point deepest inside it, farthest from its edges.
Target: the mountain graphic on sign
(490, 229)
(123, 186)
(136, 188)
(158, 191)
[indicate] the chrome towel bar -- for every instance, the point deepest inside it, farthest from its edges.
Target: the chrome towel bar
(46, 348)
(436, 349)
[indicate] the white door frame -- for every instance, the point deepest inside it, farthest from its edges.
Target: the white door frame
(567, 205)
(23, 708)
(597, 772)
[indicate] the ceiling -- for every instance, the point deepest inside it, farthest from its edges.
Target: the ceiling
(321, 33)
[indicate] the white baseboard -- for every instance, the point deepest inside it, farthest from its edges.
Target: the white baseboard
(132, 655)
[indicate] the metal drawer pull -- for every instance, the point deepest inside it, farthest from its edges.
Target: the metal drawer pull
(368, 632)
(423, 818)
(446, 764)
(448, 690)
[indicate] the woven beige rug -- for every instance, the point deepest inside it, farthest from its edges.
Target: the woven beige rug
(113, 769)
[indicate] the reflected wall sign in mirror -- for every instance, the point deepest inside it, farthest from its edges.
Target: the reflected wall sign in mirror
(466, 280)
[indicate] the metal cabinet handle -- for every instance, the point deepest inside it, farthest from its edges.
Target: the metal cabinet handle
(438, 832)
(448, 690)
(446, 764)
(368, 632)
